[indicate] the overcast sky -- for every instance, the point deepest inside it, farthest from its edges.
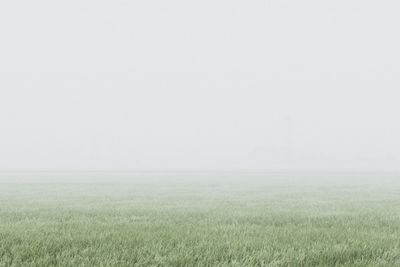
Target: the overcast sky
(199, 85)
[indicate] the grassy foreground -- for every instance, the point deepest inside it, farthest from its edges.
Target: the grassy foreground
(199, 220)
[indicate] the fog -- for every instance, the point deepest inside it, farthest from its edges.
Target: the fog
(200, 85)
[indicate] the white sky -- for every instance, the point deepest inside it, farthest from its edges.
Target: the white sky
(199, 85)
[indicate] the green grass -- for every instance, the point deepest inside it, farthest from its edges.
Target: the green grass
(127, 220)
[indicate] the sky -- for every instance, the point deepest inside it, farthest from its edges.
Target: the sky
(200, 85)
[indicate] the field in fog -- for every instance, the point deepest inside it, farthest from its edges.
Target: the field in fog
(199, 220)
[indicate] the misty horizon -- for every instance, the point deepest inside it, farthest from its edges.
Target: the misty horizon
(213, 85)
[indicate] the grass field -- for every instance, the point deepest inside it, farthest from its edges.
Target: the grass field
(199, 220)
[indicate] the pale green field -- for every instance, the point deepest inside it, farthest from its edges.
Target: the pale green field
(199, 220)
